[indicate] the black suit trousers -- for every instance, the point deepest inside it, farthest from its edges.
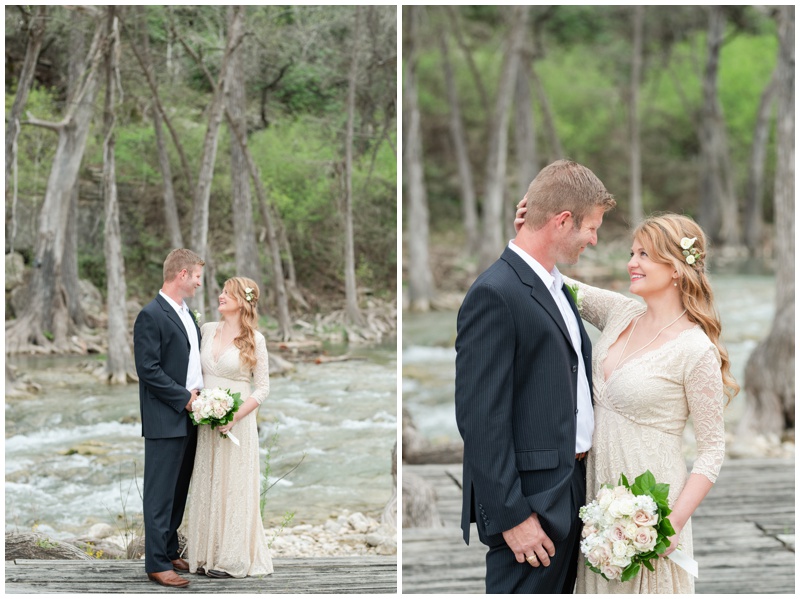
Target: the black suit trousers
(168, 465)
(504, 574)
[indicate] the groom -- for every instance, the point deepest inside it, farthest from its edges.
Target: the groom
(166, 345)
(523, 390)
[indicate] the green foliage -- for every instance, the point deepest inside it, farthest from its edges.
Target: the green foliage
(583, 60)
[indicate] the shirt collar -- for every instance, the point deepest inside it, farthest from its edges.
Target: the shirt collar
(548, 278)
(178, 308)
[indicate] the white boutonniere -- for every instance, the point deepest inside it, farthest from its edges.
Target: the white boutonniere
(196, 316)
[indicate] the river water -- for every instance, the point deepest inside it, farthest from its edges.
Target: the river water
(341, 415)
(745, 304)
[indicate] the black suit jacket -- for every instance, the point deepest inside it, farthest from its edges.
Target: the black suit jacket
(161, 350)
(516, 402)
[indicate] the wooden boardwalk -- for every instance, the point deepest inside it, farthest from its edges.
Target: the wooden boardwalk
(743, 534)
(340, 575)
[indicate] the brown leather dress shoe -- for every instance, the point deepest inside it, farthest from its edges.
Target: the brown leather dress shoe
(168, 579)
(180, 564)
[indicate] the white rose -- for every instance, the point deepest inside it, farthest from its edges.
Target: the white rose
(686, 243)
(605, 497)
(616, 532)
(619, 548)
(621, 507)
(690, 260)
(621, 561)
(630, 530)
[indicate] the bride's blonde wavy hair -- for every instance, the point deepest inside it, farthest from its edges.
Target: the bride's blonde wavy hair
(246, 341)
(661, 236)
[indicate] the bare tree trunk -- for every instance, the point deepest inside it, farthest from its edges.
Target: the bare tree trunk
(247, 259)
(455, 26)
(45, 322)
(76, 66)
(770, 372)
(202, 193)
(469, 207)
(147, 69)
(284, 320)
(637, 210)
(119, 365)
(548, 121)
(493, 228)
(36, 29)
(211, 287)
(754, 198)
(170, 206)
(718, 207)
(420, 278)
(524, 130)
(351, 293)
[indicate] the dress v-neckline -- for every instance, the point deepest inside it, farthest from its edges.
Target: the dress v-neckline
(637, 358)
(223, 349)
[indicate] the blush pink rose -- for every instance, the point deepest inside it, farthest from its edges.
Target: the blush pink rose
(645, 518)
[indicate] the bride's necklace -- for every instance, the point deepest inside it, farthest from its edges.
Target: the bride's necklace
(221, 336)
(624, 347)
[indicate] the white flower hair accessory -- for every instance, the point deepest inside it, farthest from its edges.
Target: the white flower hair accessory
(691, 254)
(248, 294)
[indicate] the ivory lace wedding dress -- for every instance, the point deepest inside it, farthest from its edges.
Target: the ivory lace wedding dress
(223, 525)
(640, 414)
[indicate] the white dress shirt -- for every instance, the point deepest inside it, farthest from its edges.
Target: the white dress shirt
(554, 283)
(194, 373)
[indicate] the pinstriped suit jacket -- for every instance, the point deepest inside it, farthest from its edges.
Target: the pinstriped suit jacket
(161, 351)
(516, 402)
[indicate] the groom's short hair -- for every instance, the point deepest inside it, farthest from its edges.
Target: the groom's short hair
(565, 185)
(179, 259)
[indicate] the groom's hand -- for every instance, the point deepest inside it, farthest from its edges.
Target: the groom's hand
(529, 539)
(195, 393)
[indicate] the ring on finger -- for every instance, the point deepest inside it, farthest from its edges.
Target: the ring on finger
(531, 559)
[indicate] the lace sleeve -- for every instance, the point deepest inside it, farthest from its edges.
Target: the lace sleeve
(706, 398)
(596, 305)
(261, 374)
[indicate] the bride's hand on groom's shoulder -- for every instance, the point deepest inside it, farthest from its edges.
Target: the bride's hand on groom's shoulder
(519, 219)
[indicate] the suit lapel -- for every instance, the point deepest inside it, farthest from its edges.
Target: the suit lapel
(539, 292)
(586, 343)
(173, 316)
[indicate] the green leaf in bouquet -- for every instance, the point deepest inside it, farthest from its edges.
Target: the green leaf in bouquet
(662, 546)
(665, 528)
(629, 572)
(623, 481)
(646, 481)
(660, 492)
(648, 565)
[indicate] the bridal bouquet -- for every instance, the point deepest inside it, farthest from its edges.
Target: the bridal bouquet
(216, 407)
(626, 527)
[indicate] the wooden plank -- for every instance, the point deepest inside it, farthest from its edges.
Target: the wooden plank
(359, 574)
(743, 534)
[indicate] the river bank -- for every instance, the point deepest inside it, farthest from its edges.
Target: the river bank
(744, 294)
(346, 534)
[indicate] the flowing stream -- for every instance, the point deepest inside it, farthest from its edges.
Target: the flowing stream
(746, 307)
(72, 450)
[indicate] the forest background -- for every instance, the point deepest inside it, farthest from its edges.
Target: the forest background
(130, 140)
(684, 109)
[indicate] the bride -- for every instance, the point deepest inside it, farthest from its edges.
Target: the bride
(224, 530)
